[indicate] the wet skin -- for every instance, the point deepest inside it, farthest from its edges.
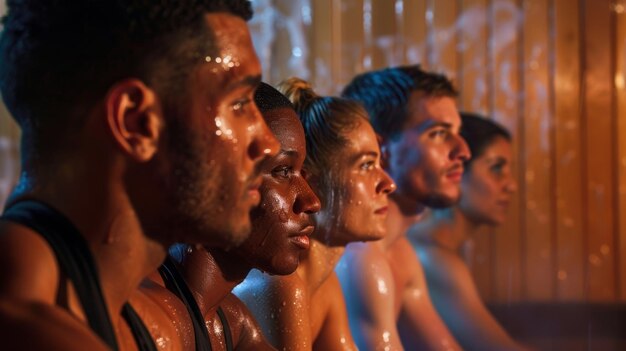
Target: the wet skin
(487, 187)
(441, 237)
(355, 204)
(388, 302)
(215, 149)
(303, 311)
(282, 226)
(136, 174)
(426, 160)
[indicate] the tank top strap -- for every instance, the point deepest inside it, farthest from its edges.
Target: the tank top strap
(74, 258)
(138, 328)
(175, 283)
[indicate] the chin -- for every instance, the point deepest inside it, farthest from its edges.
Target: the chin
(284, 267)
(239, 233)
(441, 200)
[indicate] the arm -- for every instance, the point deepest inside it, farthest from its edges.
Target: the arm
(459, 303)
(419, 324)
(29, 319)
(38, 326)
(246, 331)
(335, 333)
(367, 282)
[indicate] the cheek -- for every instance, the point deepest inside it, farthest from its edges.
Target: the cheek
(477, 194)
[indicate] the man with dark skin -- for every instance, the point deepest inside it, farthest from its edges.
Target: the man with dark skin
(281, 228)
(138, 131)
(415, 114)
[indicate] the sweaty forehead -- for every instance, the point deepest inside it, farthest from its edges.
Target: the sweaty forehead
(231, 44)
(286, 126)
(428, 109)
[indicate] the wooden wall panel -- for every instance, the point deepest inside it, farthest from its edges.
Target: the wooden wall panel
(414, 30)
(598, 126)
(383, 34)
(352, 48)
(321, 42)
(568, 160)
(620, 86)
(473, 44)
(537, 144)
(505, 101)
(444, 38)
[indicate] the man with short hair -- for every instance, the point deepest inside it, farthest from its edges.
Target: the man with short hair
(138, 130)
(415, 114)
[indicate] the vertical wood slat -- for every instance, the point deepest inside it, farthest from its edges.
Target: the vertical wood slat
(283, 42)
(9, 154)
(321, 61)
(9, 144)
(445, 38)
(414, 30)
(537, 146)
(504, 99)
(620, 89)
(473, 44)
(470, 28)
(598, 123)
(383, 34)
(568, 166)
(352, 47)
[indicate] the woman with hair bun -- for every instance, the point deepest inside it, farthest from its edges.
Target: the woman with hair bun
(304, 311)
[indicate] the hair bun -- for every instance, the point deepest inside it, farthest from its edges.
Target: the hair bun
(298, 91)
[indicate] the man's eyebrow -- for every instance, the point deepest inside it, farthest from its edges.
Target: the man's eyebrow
(247, 81)
(434, 124)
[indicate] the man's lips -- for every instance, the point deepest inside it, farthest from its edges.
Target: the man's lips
(504, 203)
(301, 238)
(455, 173)
(253, 191)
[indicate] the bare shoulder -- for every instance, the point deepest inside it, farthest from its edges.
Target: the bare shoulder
(245, 330)
(366, 276)
(54, 328)
(280, 305)
(165, 316)
(261, 288)
(28, 267)
(361, 257)
(441, 265)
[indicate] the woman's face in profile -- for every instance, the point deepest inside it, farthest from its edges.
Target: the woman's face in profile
(488, 185)
(282, 223)
(355, 191)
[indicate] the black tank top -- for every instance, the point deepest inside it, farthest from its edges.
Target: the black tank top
(175, 282)
(76, 262)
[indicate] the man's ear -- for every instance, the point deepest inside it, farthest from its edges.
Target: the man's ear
(133, 117)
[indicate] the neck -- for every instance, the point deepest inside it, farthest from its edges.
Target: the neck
(317, 265)
(450, 228)
(211, 275)
(106, 220)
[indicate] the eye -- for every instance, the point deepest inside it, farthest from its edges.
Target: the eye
(497, 168)
(240, 105)
(283, 172)
(439, 133)
(369, 165)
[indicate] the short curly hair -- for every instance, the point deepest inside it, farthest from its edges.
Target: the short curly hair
(59, 57)
(385, 94)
